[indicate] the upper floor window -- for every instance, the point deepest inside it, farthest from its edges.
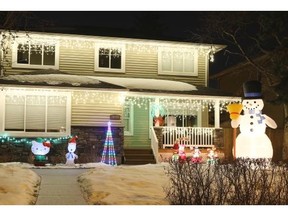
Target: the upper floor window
(178, 62)
(110, 58)
(38, 54)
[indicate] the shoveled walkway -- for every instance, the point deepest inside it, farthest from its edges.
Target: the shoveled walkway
(59, 187)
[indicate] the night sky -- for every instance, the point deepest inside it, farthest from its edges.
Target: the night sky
(174, 24)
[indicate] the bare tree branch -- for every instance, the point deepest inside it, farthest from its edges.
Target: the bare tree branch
(277, 39)
(261, 48)
(256, 66)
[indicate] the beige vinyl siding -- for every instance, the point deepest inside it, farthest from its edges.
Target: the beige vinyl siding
(7, 65)
(140, 63)
(140, 138)
(77, 61)
(93, 111)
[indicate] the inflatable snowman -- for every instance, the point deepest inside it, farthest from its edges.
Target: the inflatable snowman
(252, 142)
(71, 156)
(40, 148)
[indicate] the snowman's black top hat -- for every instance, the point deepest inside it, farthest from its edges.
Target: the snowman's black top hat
(252, 89)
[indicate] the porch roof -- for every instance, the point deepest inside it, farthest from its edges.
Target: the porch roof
(55, 78)
(158, 86)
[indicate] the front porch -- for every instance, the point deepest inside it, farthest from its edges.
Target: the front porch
(164, 138)
(189, 136)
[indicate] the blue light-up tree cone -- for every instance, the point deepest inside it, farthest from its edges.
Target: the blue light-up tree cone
(108, 154)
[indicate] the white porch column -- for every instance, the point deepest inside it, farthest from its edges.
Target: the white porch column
(217, 114)
(2, 102)
(157, 111)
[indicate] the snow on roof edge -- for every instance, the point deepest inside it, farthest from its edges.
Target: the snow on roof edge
(148, 84)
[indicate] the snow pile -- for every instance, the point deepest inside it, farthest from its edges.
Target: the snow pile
(101, 184)
(18, 186)
(129, 83)
(53, 79)
(125, 185)
(150, 84)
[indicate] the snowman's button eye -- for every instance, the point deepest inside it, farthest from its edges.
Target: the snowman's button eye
(254, 101)
(247, 102)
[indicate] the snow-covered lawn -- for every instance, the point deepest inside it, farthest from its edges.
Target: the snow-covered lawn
(18, 185)
(125, 185)
(101, 184)
(136, 186)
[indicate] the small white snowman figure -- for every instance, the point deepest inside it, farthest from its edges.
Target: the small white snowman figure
(196, 155)
(252, 142)
(71, 156)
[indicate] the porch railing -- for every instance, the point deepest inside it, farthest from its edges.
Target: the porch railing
(191, 136)
(154, 144)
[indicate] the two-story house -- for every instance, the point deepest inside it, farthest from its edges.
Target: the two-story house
(59, 85)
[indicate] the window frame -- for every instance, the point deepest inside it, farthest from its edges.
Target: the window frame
(15, 64)
(130, 131)
(109, 46)
(34, 133)
(175, 73)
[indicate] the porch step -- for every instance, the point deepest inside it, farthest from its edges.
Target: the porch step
(138, 156)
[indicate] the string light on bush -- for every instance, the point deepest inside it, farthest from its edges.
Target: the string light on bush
(28, 141)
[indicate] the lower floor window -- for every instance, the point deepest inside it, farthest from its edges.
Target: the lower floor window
(30, 112)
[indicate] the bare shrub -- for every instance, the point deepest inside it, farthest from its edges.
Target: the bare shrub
(242, 182)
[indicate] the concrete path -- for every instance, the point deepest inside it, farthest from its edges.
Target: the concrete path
(59, 187)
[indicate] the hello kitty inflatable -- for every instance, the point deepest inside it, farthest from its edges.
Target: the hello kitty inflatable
(252, 142)
(40, 149)
(71, 156)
